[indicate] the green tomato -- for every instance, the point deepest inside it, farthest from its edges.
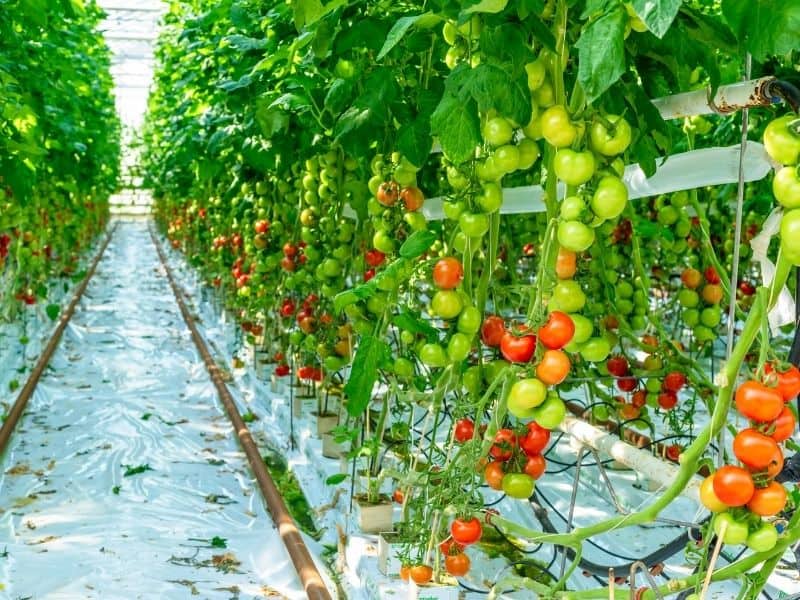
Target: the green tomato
(763, 539)
(469, 321)
(474, 225)
(704, 334)
(334, 363)
(536, 72)
(446, 304)
(736, 531)
(782, 140)
(416, 221)
(491, 199)
(331, 267)
(403, 367)
(449, 33)
(458, 347)
(296, 338)
(610, 141)
(790, 236)
(453, 210)
(498, 131)
(383, 241)
(691, 317)
(572, 208)
(472, 380)
(526, 394)
(667, 215)
(492, 370)
(575, 236)
(376, 304)
(433, 355)
(528, 153)
(688, 298)
(786, 187)
(583, 328)
(405, 177)
(518, 485)
(569, 296)
(457, 180)
(596, 349)
(609, 198)
(487, 170)
(711, 316)
(506, 158)
(551, 412)
(574, 168)
(374, 183)
(600, 412)
(624, 289)
(557, 128)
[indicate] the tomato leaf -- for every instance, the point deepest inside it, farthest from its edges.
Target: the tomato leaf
(308, 12)
(657, 14)
(494, 87)
(417, 244)
(601, 53)
(542, 32)
(401, 26)
(456, 124)
(764, 27)
(244, 43)
(371, 352)
(336, 479)
(486, 6)
(52, 311)
(414, 141)
(347, 297)
(526, 8)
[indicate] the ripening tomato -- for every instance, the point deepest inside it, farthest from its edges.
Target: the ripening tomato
(674, 381)
(517, 349)
(553, 368)
(457, 564)
(388, 192)
(412, 198)
(733, 485)
(448, 273)
(787, 381)
(535, 466)
(404, 572)
(466, 531)
(566, 264)
(757, 402)
(492, 331)
(421, 574)
(558, 331)
(691, 278)
(261, 226)
(493, 474)
(754, 449)
(768, 501)
(464, 431)
(784, 425)
(639, 398)
(709, 498)
(505, 440)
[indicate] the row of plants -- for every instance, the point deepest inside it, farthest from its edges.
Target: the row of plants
(295, 149)
(59, 144)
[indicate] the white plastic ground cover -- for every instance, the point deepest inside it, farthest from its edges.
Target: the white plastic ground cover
(126, 390)
(360, 576)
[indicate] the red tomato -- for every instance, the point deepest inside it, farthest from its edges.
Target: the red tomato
(287, 264)
(758, 402)
(492, 331)
(369, 274)
(558, 331)
(733, 485)
(374, 258)
(289, 250)
(629, 411)
(627, 384)
(535, 466)
(667, 400)
(450, 546)
(754, 449)
(261, 226)
(768, 501)
(287, 308)
(784, 425)
(457, 564)
(505, 441)
(282, 370)
(787, 381)
(639, 398)
(466, 531)
(711, 275)
(535, 439)
(673, 452)
(617, 366)
(398, 496)
(465, 429)
(421, 574)
(448, 273)
(674, 381)
(517, 349)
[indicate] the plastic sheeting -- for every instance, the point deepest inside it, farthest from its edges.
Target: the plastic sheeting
(125, 468)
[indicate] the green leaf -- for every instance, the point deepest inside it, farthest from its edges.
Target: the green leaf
(336, 479)
(658, 15)
(417, 244)
(764, 27)
(399, 29)
(339, 95)
(601, 53)
(308, 12)
(525, 8)
(456, 124)
(52, 311)
(542, 32)
(494, 88)
(218, 542)
(371, 352)
(487, 6)
(414, 141)
(131, 470)
(411, 322)
(347, 297)
(244, 43)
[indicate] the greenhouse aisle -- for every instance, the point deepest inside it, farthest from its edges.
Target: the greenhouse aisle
(124, 479)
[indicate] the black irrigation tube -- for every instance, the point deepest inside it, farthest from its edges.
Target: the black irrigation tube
(290, 535)
(21, 402)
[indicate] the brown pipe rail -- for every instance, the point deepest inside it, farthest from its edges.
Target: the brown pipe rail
(306, 569)
(27, 390)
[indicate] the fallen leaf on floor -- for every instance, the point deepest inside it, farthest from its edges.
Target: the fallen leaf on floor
(19, 469)
(25, 501)
(225, 562)
(44, 540)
